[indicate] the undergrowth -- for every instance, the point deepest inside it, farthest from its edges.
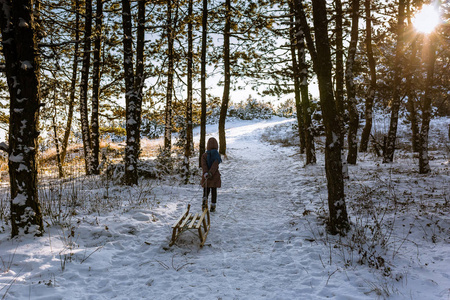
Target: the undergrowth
(395, 213)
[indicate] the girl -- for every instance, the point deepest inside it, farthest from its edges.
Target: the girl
(211, 175)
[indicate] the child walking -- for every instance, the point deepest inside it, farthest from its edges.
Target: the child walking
(211, 175)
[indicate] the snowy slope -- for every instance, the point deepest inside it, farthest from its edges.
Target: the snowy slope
(267, 239)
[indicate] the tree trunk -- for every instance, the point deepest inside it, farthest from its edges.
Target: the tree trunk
(189, 134)
(373, 81)
(133, 87)
(411, 105)
(58, 153)
(293, 31)
(85, 131)
(351, 91)
(169, 93)
(424, 165)
(73, 85)
(307, 32)
(303, 76)
(227, 79)
(309, 135)
(340, 105)
(203, 83)
(55, 134)
(139, 79)
(130, 95)
(338, 220)
(22, 72)
(95, 136)
(388, 155)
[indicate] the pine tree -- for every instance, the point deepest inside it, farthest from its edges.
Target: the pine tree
(411, 91)
(296, 70)
(430, 53)
(368, 112)
(388, 155)
(95, 136)
(134, 83)
(203, 81)
(339, 67)
(351, 90)
(227, 78)
(84, 86)
(18, 27)
(189, 100)
(303, 77)
(338, 220)
(73, 83)
(170, 73)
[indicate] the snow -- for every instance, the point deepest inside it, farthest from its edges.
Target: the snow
(16, 158)
(20, 199)
(26, 65)
(267, 237)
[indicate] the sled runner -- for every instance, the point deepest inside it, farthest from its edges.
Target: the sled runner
(187, 221)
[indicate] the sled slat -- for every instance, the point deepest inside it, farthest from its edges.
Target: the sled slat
(185, 221)
(182, 217)
(193, 221)
(199, 223)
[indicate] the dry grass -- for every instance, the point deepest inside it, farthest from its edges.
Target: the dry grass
(74, 162)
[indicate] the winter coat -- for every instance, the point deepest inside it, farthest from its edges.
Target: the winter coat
(214, 180)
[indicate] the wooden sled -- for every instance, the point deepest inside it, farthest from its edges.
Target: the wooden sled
(187, 221)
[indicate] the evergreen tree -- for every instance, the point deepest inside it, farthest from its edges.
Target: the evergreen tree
(370, 96)
(303, 77)
(424, 164)
(134, 83)
(350, 84)
(203, 81)
(388, 155)
(18, 27)
(189, 134)
(84, 87)
(170, 73)
(96, 77)
(227, 78)
(338, 220)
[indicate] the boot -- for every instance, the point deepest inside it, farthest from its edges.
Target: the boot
(205, 203)
(213, 207)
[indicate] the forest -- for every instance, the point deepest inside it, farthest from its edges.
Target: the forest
(89, 85)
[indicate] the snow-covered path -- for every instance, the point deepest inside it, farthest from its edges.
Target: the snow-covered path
(264, 243)
(256, 249)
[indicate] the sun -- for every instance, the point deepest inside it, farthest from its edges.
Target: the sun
(427, 19)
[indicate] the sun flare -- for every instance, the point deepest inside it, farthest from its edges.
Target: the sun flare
(427, 19)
